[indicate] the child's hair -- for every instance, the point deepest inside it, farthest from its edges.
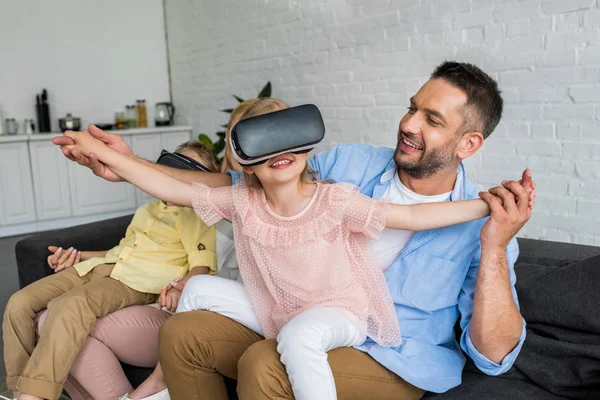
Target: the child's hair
(228, 160)
(206, 155)
(267, 105)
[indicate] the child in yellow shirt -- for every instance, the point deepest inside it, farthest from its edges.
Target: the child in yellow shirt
(162, 243)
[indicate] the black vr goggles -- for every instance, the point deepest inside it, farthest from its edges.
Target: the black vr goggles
(293, 130)
(180, 161)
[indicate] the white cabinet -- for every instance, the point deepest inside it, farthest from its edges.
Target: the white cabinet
(149, 147)
(41, 190)
(50, 180)
(17, 203)
(93, 195)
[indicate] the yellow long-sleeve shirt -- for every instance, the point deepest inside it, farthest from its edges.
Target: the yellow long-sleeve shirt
(161, 243)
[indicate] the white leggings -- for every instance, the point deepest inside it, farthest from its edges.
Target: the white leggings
(303, 342)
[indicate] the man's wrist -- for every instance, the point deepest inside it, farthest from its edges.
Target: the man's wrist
(493, 250)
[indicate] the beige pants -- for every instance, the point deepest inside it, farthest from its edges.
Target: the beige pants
(74, 303)
(198, 348)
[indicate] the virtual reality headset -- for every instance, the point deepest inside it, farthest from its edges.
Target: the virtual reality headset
(293, 130)
(180, 161)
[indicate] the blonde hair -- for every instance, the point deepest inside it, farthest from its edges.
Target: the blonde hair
(207, 157)
(265, 106)
(229, 161)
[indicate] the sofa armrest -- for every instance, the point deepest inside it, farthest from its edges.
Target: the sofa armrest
(32, 251)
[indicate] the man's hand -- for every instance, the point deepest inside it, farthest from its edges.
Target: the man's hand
(62, 259)
(510, 206)
(113, 141)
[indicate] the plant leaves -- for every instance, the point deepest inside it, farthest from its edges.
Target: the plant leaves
(266, 91)
(224, 126)
(219, 146)
(227, 110)
(221, 134)
(202, 138)
(239, 99)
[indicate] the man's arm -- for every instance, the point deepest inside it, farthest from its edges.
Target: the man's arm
(117, 143)
(496, 325)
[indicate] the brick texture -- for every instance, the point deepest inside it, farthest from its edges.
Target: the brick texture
(361, 60)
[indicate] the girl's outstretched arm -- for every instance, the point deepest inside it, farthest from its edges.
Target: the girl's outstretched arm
(150, 180)
(425, 216)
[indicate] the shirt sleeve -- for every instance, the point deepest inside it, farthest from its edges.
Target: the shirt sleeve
(465, 305)
(323, 162)
(199, 241)
(364, 215)
(212, 204)
(235, 176)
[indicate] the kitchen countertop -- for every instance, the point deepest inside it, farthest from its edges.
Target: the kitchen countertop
(137, 131)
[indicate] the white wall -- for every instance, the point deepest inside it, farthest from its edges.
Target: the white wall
(93, 57)
(360, 61)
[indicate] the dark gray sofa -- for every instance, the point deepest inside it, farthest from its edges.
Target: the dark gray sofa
(538, 265)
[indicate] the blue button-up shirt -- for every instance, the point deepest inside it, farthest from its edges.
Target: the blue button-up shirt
(432, 282)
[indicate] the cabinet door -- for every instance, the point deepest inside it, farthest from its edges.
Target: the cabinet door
(50, 180)
(171, 141)
(93, 195)
(149, 147)
(17, 204)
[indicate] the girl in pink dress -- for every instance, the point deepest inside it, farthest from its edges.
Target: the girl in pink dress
(303, 252)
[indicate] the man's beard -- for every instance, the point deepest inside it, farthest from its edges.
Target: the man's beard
(430, 163)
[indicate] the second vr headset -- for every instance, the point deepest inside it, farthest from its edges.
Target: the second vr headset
(293, 130)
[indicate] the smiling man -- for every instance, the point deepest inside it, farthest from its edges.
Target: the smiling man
(464, 272)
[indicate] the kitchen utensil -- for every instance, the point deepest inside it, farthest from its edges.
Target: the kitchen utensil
(28, 127)
(12, 127)
(164, 113)
(69, 123)
(46, 112)
(105, 127)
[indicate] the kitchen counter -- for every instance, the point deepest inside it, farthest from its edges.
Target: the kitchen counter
(137, 131)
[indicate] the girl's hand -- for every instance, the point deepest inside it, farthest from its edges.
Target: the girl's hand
(61, 259)
(169, 298)
(84, 143)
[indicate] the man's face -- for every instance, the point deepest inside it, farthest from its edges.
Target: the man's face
(430, 132)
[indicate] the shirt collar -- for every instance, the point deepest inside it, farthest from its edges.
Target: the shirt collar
(166, 208)
(458, 192)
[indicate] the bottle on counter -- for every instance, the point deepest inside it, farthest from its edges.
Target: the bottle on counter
(2, 132)
(120, 120)
(131, 115)
(142, 114)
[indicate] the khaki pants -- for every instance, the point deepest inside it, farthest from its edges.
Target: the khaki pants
(74, 303)
(198, 348)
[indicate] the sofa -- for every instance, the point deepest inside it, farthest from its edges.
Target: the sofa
(558, 287)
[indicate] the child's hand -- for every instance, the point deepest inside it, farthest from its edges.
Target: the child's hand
(169, 298)
(62, 259)
(527, 182)
(84, 143)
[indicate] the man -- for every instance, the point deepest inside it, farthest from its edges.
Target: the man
(432, 275)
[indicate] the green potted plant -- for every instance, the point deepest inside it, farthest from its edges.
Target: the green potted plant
(218, 146)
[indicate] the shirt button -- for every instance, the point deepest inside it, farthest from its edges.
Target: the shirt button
(135, 245)
(120, 259)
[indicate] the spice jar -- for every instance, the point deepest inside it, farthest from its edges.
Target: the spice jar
(131, 115)
(120, 120)
(142, 114)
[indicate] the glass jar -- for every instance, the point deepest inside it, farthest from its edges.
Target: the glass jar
(142, 114)
(120, 120)
(131, 115)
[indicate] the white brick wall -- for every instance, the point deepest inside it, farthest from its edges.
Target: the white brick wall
(360, 61)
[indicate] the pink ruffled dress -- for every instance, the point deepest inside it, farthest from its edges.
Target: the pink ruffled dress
(317, 258)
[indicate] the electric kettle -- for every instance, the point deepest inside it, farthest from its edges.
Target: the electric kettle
(164, 114)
